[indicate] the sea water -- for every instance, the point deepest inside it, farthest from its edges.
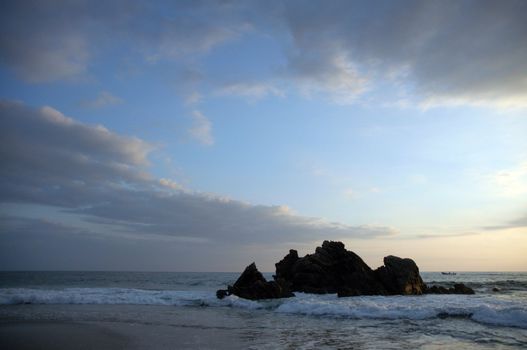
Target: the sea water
(495, 317)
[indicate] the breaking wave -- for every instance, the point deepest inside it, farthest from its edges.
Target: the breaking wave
(483, 309)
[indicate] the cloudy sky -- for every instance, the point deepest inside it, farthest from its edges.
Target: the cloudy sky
(204, 135)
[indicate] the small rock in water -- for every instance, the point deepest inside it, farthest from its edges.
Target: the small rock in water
(222, 293)
(437, 290)
(459, 288)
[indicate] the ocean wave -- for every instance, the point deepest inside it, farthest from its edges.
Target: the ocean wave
(483, 309)
(503, 285)
(101, 296)
(486, 310)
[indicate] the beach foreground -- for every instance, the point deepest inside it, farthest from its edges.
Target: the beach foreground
(118, 327)
(169, 327)
(132, 310)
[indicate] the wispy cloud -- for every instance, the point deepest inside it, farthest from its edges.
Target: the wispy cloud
(520, 222)
(447, 235)
(169, 183)
(330, 74)
(250, 90)
(201, 129)
(104, 99)
(195, 30)
(193, 98)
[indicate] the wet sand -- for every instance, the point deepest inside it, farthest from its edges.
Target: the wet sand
(86, 336)
(55, 335)
(94, 327)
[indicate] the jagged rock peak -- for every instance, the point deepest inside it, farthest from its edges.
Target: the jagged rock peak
(334, 269)
(252, 285)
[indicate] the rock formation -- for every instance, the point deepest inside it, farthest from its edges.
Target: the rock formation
(459, 288)
(253, 285)
(333, 269)
(400, 276)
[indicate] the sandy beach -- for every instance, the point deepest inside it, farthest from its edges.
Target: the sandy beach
(57, 335)
(105, 335)
(190, 329)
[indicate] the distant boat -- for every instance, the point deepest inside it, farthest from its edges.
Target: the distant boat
(448, 273)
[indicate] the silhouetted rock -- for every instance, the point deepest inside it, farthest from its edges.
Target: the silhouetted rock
(253, 285)
(459, 288)
(400, 276)
(222, 293)
(436, 290)
(330, 269)
(284, 268)
(333, 269)
(496, 289)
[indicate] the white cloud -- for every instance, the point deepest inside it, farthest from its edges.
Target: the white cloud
(46, 153)
(188, 35)
(250, 90)
(333, 74)
(171, 184)
(49, 113)
(446, 56)
(201, 129)
(104, 99)
(193, 98)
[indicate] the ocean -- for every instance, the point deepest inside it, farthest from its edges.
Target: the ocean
(168, 303)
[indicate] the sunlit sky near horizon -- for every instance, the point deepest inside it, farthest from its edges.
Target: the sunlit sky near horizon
(204, 135)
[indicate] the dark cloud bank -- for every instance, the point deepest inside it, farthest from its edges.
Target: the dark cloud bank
(441, 51)
(101, 180)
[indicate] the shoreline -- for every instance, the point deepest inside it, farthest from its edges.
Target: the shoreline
(60, 335)
(87, 327)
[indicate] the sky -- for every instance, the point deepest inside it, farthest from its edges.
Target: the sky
(205, 135)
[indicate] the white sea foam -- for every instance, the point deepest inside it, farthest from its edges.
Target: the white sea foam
(484, 309)
(102, 296)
